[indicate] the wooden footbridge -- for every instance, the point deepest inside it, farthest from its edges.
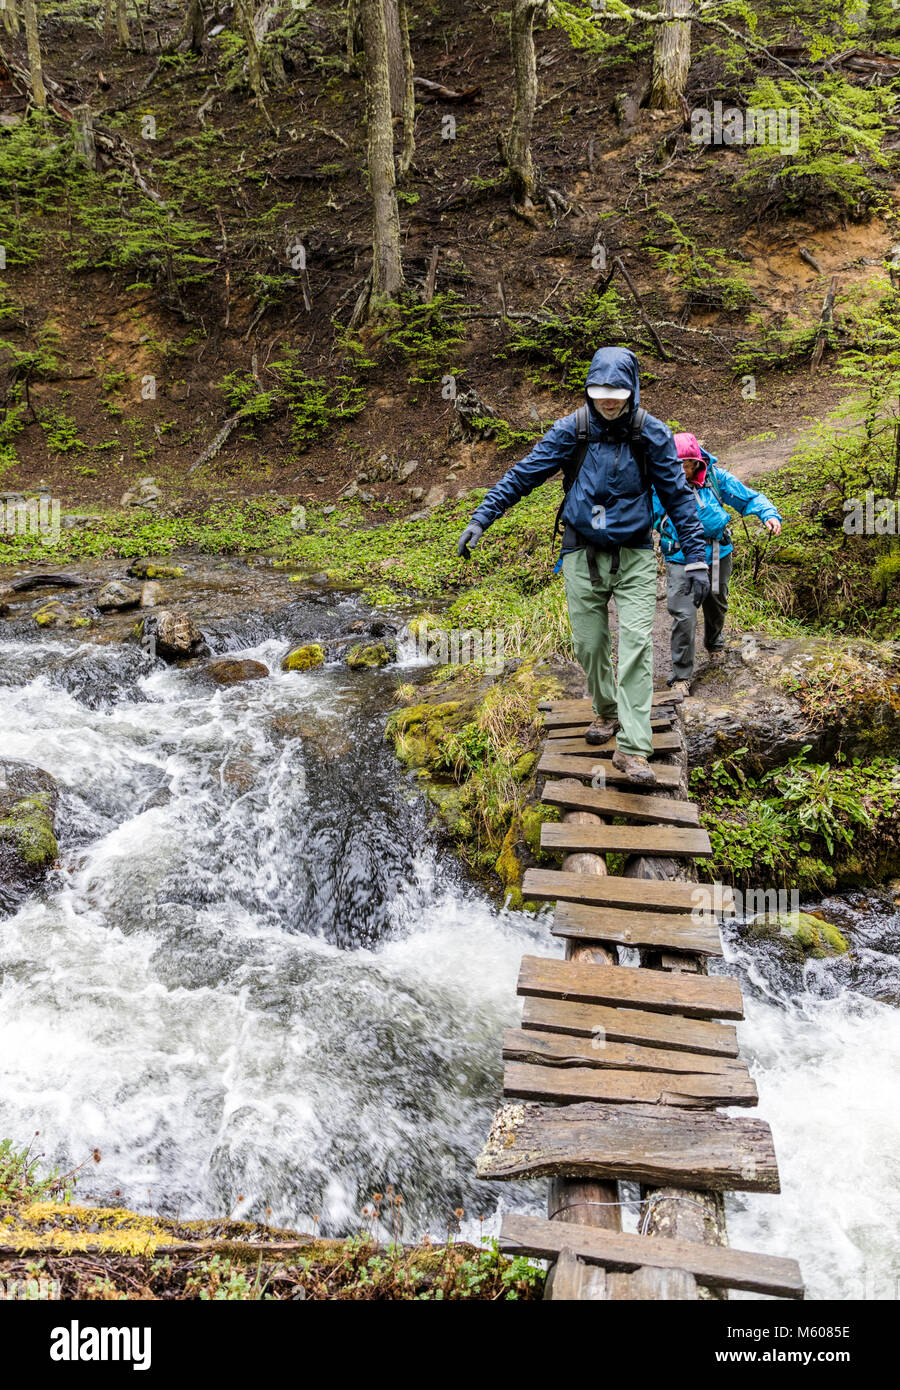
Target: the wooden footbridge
(617, 1069)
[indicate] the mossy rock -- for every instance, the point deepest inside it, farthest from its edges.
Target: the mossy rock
(452, 805)
(304, 658)
(802, 934)
(533, 817)
(417, 732)
(508, 866)
(148, 569)
(28, 801)
(369, 656)
(56, 614)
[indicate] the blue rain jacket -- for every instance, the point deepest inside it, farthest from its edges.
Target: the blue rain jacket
(720, 489)
(608, 505)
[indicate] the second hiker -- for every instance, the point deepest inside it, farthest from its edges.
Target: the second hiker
(714, 487)
(612, 453)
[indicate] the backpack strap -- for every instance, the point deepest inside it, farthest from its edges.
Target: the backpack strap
(639, 446)
(572, 465)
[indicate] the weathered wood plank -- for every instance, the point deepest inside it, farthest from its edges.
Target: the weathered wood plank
(609, 801)
(669, 1031)
(585, 706)
(714, 1266)
(628, 839)
(645, 1285)
(697, 1149)
(673, 931)
(658, 991)
(527, 1081)
(613, 891)
(563, 1049)
(572, 765)
(575, 728)
(663, 742)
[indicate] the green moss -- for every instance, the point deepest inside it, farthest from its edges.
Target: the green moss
(508, 866)
(368, 656)
(534, 816)
(304, 658)
(28, 827)
(801, 933)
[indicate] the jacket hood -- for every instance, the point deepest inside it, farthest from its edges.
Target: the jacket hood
(615, 366)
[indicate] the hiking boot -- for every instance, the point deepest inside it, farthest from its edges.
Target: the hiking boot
(716, 656)
(636, 768)
(681, 688)
(601, 730)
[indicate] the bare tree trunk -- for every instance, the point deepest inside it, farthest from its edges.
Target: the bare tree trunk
(517, 145)
(38, 95)
(396, 64)
(408, 147)
(191, 27)
(387, 270)
(244, 14)
(10, 16)
(122, 33)
(671, 57)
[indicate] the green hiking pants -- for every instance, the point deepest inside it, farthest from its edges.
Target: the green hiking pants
(634, 589)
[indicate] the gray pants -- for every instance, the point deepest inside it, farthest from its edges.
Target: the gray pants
(684, 617)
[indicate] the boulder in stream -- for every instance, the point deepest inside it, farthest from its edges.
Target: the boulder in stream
(367, 656)
(56, 614)
(304, 658)
(228, 670)
(153, 595)
(116, 596)
(28, 801)
(153, 569)
(177, 635)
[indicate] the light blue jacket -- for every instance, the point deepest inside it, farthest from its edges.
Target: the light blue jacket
(720, 489)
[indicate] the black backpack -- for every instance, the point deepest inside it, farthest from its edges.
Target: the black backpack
(572, 465)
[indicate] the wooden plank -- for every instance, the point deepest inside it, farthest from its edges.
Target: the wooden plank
(664, 742)
(570, 1280)
(673, 931)
(662, 895)
(571, 765)
(640, 806)
(628, 839)
(585, 706)
(697, 1149)
(657, 991)
(669, 1031)
(715, 1266)
(563, 1050)
(576, 727)
(556, 1084)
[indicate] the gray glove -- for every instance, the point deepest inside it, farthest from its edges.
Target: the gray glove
(469, 539)
(696, 582)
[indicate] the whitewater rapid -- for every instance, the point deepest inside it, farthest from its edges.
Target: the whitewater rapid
(260, 986)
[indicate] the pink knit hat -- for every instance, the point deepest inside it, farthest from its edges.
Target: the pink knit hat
(688, 446)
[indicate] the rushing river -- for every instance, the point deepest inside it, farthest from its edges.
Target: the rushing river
(259, 985)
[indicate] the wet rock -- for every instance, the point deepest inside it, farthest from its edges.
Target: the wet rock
(177, 635)
(774, 696)
(116, 596)
(28, 802)
(304, 658)
(370, 655)
(435, 496)
(800, 934)
(152, 569)
(152, 594)
(56, 614)
(145, 494)
(225, 670)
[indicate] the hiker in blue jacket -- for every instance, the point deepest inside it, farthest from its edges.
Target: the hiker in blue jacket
(714, 488)
(612, 453)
